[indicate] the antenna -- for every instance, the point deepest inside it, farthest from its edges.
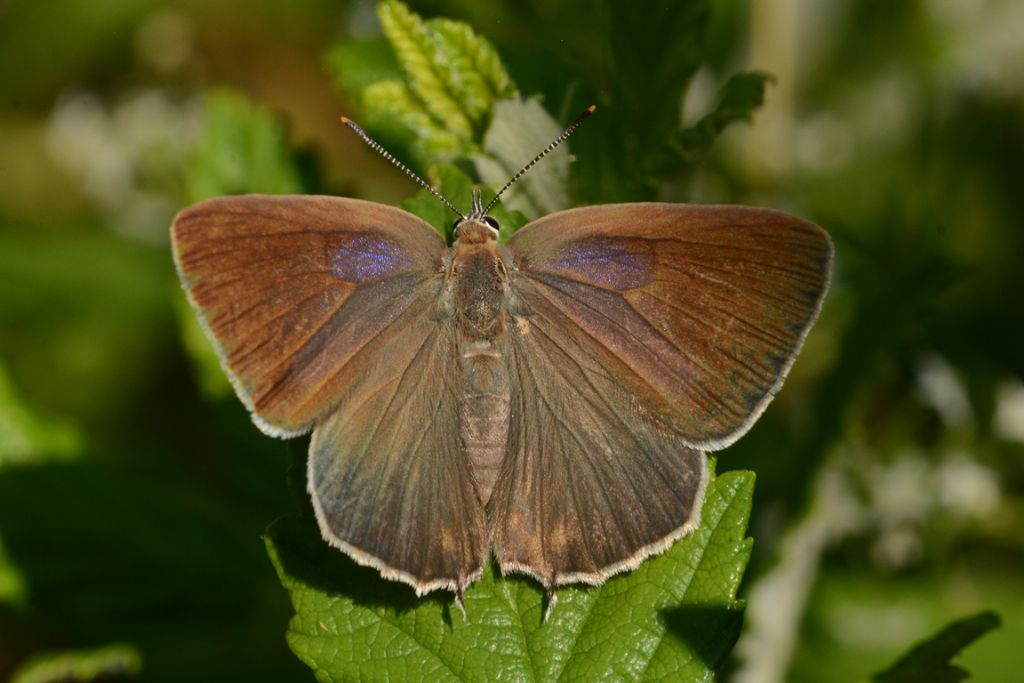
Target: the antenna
(376, 146)
(543, 153)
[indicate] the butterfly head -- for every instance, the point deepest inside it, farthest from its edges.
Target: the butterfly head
(477, 227)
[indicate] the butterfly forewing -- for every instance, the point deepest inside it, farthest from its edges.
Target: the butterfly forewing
(700, 310)
(291, 287)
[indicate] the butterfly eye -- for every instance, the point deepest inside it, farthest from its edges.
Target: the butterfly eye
(455, 224)
(491, 223)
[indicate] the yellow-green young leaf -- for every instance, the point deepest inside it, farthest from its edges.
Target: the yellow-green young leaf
(452, 75)
(472, 68)
(457, 71)
(673, 618)
(417, 53)
(394, 110)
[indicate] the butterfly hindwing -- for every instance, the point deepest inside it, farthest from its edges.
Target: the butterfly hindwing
(389, 481)
(592, 483)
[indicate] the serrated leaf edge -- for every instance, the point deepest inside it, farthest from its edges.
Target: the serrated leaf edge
(408, 35)
(376, 619)
(733, 483)
(726, 507)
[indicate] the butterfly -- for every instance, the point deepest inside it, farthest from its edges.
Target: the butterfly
(549, 401)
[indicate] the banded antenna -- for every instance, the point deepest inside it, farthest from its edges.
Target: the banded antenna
(543, 153)
(377, 147)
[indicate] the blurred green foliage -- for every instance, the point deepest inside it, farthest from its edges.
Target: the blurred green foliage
(241, 149)
(107, 662)
(134, 489)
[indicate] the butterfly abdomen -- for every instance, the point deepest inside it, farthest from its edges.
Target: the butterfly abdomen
(484, 417)
(479, 281)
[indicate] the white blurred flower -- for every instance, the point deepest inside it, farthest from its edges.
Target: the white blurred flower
(902, 490)
(939, 387)
(902, 500)
(1008, 421)
(83, 141)
(897, 547)
(983, 45)
(965, 488)
(127, 157)
(874, 625)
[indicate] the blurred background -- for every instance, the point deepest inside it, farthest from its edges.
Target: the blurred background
(890, 470)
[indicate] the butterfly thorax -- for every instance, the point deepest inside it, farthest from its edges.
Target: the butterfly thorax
(478, 280)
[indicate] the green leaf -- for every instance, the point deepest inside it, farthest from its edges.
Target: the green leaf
(398, 115)
(928, 661)
(417, 53)
(434, 94)
(741, 95)
(242, 148)
(12, 583)
(519, 130)
(80, 666)
(76, 312)
(674, 617)
(636, 71)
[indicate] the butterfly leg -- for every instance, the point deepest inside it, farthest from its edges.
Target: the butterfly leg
(550, 601)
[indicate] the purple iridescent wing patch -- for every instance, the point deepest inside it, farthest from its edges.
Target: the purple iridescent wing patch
(364, 258)
(604, 262)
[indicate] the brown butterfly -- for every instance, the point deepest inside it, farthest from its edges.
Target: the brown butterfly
(550, 400)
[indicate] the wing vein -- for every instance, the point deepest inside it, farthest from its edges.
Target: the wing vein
(590, 459)
(712, 398)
